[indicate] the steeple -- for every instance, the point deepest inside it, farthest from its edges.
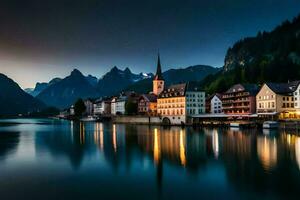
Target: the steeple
(158, 81)
(158, 75)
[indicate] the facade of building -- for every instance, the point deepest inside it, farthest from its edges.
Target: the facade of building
(72, 110)
(195, 100)
(213, 104)
(113, 106)
(89, 107)
(296, 94)
(147, 104)
(102, 107)
(240, 99)
(277, 99)
(180, 101)
(158, 81)
(118, 105)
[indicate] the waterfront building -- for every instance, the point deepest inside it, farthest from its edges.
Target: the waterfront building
(240, 99)
(277, 99)
(72, 110)
(158, 81)
(113, 106)
(296, 94)
(118, 105)
(213, 104)
(178, 102)
(89, 107)
(147, 104)
(102, 106)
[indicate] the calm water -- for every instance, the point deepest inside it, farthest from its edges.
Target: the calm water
(52, 159)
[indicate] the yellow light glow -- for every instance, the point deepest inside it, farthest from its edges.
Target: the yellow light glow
(215, 143)
(114, 138)
(156, 147)
(267, 152)
(297, 151)
(182, 148)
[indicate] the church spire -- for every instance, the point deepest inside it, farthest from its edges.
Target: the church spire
(158, 75)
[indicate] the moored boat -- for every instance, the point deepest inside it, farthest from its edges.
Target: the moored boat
(270, 125)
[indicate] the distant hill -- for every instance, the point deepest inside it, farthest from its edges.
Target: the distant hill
(269, 57)
(39, 87)
(174, 76)
(14, 101)
(65, 92)
(116, 80)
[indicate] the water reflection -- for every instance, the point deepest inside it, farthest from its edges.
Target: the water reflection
(267, 152)
(8, 143)
(254, 162)
(297, 151)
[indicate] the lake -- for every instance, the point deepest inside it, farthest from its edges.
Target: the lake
(56, 159)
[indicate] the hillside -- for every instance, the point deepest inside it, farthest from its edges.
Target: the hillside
(269, 57)
(116, 80)
(65, 92)
(13, 100)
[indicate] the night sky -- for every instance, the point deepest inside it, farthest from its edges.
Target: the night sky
(40, 40)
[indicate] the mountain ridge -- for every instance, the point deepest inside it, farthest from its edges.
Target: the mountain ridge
(268, 57)
(14, 101)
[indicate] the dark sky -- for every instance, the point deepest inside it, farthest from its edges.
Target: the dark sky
(43, 39)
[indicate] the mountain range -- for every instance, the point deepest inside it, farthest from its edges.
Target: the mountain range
(14, 101)
(269, 57)
(66, 91)
(174, 76)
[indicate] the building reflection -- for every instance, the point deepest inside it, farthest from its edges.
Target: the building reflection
(250, 158)
(267, 151)
(297, 150)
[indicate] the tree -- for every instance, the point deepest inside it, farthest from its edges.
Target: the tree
(131, 107)
(79, 107)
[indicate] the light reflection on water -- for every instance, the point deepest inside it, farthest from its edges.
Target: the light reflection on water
(88, 160)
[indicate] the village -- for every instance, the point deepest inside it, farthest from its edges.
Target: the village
(188, 104)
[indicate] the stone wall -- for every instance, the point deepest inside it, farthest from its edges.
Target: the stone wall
(137, 120)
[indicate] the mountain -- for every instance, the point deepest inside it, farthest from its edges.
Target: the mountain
(116, 80)
(174, 76)
(92, 80)
(14, 101)
(269, 57)
(65, 92)
(39, 87)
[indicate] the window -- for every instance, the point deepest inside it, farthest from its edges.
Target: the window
(283, 98)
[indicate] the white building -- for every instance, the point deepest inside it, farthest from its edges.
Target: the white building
(72, 110)
(102, 106)
(296, 94)
(113, 106)
(195, 102)
(89, 107)
(118, 105)
(214, 104)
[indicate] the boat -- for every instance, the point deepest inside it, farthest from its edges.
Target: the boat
(88, 119)
(235, 125)
(270, 125)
